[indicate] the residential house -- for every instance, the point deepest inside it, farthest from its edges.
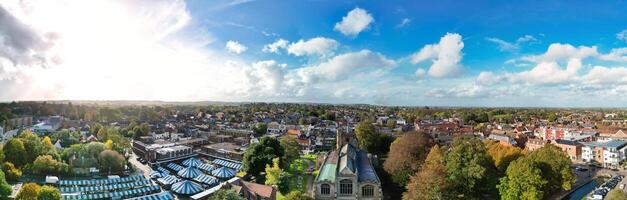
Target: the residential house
(571, 148)
(607, 153)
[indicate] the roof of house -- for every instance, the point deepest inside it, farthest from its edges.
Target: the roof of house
(609, 144)
(261, 190)
(567, 142)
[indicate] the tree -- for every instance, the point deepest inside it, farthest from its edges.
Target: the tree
(14, 151)
(29, 191)
(102, 134)
(406, 155)
(5, 188)
(292, 148)
(45, 164)
(367, 136)
(555, 167)
(12, 173)
(391, 123)
(523, 181)
(468, 167)
(225, 194)
(273, 172)
(111, 161)
(551, 117)
(260, 128)
(258, 155)
(616, 195)
(502, 155)
(430, 182)
(33, 145)
(49, 193)
(297, 195)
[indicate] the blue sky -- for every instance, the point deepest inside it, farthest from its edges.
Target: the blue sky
(438, 53)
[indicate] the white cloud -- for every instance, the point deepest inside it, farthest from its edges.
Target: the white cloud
(420, 72)
(265, 77)
(617, 54)
(404, 22)
(354, 22)
(622, 35)
(316, 46)
(445, 56)
(558, 51)
(488, 78)
(275, 46)
(512, 46)
(605, 75)
(503, 45)
(235, 47)
(343, 66)
(526, 38)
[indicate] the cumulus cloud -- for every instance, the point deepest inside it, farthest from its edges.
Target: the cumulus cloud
(320, 46)
(622, 35)
(617, 54)
(235, 47)
(356, 21)
(445, 56)
(345, 65)
(605, 75)
(265, 77)
(558, 51)
(275, 46)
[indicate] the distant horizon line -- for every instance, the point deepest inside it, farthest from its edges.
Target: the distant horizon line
(212, 102)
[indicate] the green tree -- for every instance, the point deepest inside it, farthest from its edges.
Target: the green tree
(29, 191)
(260, 128)
(430, 182)
(14, 151)
(258, 155)
(616, 195)
(111, 161)
(468, 167)
(297, 195)
(406, 155)
(555, 167)
(551, 117)
(5, 188)
(225, 194)
(367, 136)
(273, 172)
(523, 181)
(292, 148)
(49, 193)
(33, 145)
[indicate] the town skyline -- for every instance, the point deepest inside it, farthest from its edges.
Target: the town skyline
(531, 54)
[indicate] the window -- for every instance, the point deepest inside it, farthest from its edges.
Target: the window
(325, 189)
(367, 191)
(346, 186)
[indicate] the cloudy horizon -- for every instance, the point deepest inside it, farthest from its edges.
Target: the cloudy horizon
(535, 53)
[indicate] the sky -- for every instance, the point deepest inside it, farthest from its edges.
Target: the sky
(541, 53)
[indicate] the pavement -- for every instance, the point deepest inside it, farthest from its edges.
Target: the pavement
(143, 168)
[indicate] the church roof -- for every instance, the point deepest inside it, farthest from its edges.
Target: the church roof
(365, 170)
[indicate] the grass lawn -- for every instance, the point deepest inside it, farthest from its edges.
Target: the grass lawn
(298, 182)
